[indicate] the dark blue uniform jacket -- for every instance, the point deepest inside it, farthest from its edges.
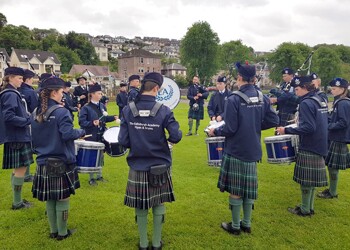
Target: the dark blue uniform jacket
(122, 101)
(217, 103)
(339, 124)
(287, 102)
(193, 90)
(133, 93)
(30, 95)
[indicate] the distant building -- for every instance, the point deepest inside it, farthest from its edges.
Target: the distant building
(4, 60)
(174, 69)
(116, 53)
(102, 52)
(153, 49)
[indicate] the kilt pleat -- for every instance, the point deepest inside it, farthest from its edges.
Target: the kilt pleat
(338, 156)
(196, 115)
(55, 188)
(310, 170)
(140, 194)
(238, 177)
(16, 158)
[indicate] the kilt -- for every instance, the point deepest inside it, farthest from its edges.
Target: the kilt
(310, 170)
(338, 156)
(285, 117)
(140, 194)
(55, 188)
(16, 158)
(238, 177)
(196, 115)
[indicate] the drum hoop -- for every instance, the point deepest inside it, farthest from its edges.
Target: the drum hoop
(215, 139)
(113, 128)
(89, 145)
(278, 138)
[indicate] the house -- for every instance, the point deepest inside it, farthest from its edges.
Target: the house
(130, 46)
(41, 61)
(101, 51)
(170, 52)
(116, 53)
(174, 69)
(4, 61)
(138, 61)
(153, 49)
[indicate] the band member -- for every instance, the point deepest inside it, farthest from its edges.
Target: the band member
(56, 177)
(134, 85)
(31, 97)
(81, 91)
(217, 100)
(286, 100)
(93, 118)
(246, 113)
(338, 157)
(149, 182)
(15, 133)
(310, 170)
(316, 80)
(196, 94)
(68, 99)
(122, 98)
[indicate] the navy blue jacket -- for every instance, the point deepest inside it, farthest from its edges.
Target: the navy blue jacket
(339, 124)
(287, 102)
(30, 95)
(68, 103)
(86, 117)
(14, 119)
(312, 126)
(193, 90)
(243, 125)
(217, 103)
(322, 94)
(133, 93)
(122, 101)
(55, 137)
(78, 91)
(146, 137)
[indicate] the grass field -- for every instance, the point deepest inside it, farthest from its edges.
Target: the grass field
(193, 220)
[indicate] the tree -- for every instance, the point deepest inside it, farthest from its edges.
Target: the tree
(199, 51)
(343, 52)
(19, 37)
(48, 42)
(3, 21)
(66, 56)
(234, 51)
(181, 80)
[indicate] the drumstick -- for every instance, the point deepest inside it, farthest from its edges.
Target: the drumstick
(87, 136)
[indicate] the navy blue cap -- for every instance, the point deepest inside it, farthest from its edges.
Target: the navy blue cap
(134, 77)
(14, 71)
(313, 76)
(247, 71)
(222, 79)
(68, 84)
(28, 74)
(300, 81)
(288, 71)
(52, 83)
(123, 84)
(95, 87)
(45, 76)
(339, 82)
(153, 77)
(81, 77)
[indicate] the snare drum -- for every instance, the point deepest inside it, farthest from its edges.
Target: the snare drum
(89, 156)
(281, 148)
(215, 150)
(110, 139)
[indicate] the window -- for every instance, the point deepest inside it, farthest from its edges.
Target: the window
(141, 59)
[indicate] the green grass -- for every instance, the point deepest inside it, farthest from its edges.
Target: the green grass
(193, 220)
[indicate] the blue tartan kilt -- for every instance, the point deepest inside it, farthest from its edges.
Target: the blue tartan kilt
(196, 115)
(140, 194)
(55, 188)
(310, 169)
(16, 158)
(238, 177)
(338, 156)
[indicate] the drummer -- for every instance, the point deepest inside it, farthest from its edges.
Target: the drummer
(93, 118)
(218, 99)
(122, 98)
(310, 170)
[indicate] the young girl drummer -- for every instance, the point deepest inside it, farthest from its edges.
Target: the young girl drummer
(56, 177)
(15, 133)
(338, 157)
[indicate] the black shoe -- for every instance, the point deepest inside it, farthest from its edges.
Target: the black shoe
(69, 233)
(23, 204)
(312, 212)
(158, 248)
(93, 182)
(227, 226)
(245, 229)
(101, 179)
(29, 178)
(326, 194)
(189, 133)
(297, 211)
(53, 235)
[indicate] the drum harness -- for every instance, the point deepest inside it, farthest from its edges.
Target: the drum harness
(250, 100)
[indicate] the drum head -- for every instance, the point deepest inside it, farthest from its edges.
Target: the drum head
(89, 144)
(169, 93)
(111, 135)
(278, 138)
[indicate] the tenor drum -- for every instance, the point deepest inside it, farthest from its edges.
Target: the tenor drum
(89, 156)
(281, 148)
(215, 150)
(169, 93)
(110, 139)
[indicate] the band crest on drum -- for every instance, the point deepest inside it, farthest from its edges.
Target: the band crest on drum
(164, 94)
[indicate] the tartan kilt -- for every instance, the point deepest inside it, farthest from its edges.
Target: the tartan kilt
(196, 115)
(238, 177)
(16, 158)
(338, 156)
(140, 194)
(310, 169)
(55, 188)
(285, 117)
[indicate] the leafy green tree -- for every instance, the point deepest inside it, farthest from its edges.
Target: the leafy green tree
(48, 42)
(234, 51)
(19, 37)
(343, 52)
(199, 51)
(113, 64)
(3, 21)
(66, 56)
(181, 81)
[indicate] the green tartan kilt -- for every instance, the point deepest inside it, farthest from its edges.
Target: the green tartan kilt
(238, 177)
(140, 194)
(55, 188)
(338, 156)
(196, 115)
(310, 170)
(16, 158)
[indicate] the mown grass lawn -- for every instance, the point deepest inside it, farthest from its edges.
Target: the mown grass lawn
(193, 220)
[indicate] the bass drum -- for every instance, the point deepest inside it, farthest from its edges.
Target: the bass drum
(169, 93)
(110, 139)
